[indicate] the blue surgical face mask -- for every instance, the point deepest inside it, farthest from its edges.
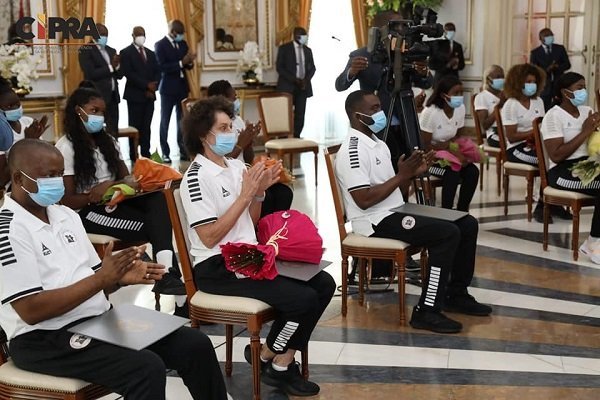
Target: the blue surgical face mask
(579, 97)
(224, 143)
(450, 35)
(529, 89)
(455, 101)
(102, 40)
(497, 83)
(236, 106)
(14, 115)
(178, 37)
(548, 40)
(50, 190)
(94, 123)
(379, 121)
(303, 39)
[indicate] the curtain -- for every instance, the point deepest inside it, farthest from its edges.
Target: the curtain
(191, 13)
(305, 9)
(360, 22)
(72, 73)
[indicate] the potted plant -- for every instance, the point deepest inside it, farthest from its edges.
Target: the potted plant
(18, 66)
(250, 64)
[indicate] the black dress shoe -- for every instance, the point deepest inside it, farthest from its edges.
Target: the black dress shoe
(290, 380)
(169, 285)
(166, 160)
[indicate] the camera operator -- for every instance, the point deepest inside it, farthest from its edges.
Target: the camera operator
(362, 67)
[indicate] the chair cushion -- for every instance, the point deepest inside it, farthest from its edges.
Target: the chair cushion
(241, 305)
(101, 239)
(13, 376)
(355, 240)
(491, 149)
(567, 194)
(290, 144)
(519, 166)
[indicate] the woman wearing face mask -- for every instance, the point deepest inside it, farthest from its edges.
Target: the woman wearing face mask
(222, 200)
(488, 100)
(441, 122)
(93, 164)
(279, 196)
(565, 131)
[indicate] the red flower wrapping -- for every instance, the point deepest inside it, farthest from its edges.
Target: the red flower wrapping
(254, 261)
(293, 235)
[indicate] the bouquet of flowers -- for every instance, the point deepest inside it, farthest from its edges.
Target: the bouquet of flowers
(468, 148)
(588, 170)
(250, 61)
(255, 261)
(376, 6)
(18, 65)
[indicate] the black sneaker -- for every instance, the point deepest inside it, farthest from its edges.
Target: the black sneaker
(433, 321)
(183, 311)
(169, 285)
(290, 381)
(538, 214)
(248, 357)
(412, 266)
(166, 160)
(561, 213)
(464, 303)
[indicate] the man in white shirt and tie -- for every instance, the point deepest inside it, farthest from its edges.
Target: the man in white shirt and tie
(101, 65)
(296, 67)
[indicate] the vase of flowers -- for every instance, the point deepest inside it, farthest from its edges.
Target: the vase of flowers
(250, 64)
(375, 7)
(18, 66)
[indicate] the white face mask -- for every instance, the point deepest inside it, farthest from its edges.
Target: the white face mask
(139, 40)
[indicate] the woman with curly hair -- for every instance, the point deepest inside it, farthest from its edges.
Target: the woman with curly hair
(442, 121)
(93, 164)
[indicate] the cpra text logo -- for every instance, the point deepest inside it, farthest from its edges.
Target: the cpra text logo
(44, 27)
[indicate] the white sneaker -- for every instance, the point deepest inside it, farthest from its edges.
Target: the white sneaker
(591, 248)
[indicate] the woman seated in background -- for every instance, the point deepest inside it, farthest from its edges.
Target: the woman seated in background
(93, 164)
(442, 121)
(222, 199)
(565, 131)
(490, 98)
(22, 125)
(279, 196)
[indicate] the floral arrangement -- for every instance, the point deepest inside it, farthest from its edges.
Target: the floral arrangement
(250, 61)
(376, 6)
(18, 65)
(587, 170)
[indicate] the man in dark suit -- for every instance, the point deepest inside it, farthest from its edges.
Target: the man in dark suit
(447, 57)
(140, 67)
(101, 65)
(553, 59)
(296, 67)
(173, 58)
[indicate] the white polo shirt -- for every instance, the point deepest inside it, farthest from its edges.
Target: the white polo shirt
(560, 124)
(486, 100)
(103, 174)
(35, 256)
(514, 113)
(363, 162)
(433, 119)
(207, 192)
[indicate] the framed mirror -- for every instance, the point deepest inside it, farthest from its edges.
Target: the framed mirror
(229, 24)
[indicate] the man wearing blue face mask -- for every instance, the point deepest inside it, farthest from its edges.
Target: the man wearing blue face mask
(174, 57)
(101, 65)
(447, 57)
(296, 67)
(370, 189)
(553, 59)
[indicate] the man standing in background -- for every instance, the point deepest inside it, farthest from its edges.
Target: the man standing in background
(447, 57)
(296, 67)
(101, 65)
(553, 59)
(173, 56)
(140, 67)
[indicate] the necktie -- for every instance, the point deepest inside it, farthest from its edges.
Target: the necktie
(301, 63)
(142, 54)
(451, 46)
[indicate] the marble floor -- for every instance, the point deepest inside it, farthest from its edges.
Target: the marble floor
(541, 342)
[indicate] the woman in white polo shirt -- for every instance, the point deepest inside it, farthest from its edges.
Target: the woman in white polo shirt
(488, 99)
(222, 200)
(441, 122)
(565, 131)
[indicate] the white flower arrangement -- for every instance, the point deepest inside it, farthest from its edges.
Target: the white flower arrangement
(251, 60)
(17, 63)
